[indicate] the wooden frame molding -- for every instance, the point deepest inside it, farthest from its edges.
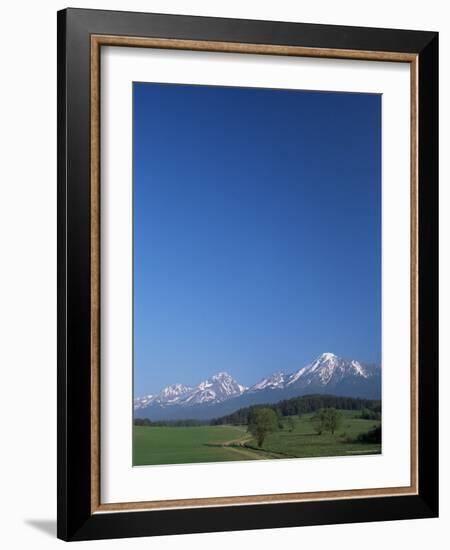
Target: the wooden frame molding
(96, 42)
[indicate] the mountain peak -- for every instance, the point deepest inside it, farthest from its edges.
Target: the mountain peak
(328, 356)
(175, 389)
(328, 373)
(221, 375)
(217, 388)
(275, 380)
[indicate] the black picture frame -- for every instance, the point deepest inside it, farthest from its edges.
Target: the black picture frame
(75, 518)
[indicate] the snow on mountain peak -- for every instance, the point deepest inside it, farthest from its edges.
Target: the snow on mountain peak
(327, 370)
(275, 380)
(217, 388)
(142, 402)
(175, 389)
(222, 376)
(359, 369)
(328, 356)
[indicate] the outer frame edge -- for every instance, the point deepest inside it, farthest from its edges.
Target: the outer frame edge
(61, 280)
(424, 505)
(264, 516)
(428, 135)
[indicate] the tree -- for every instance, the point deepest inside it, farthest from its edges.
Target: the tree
(280, 423)
(290, 423)
(262, 421)
(370, 414)
(333, 420)
(319, 421)
(372, 436)
(328, 419)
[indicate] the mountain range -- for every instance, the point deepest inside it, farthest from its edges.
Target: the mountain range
(222, 394)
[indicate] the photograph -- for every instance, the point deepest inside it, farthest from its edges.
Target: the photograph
(257, 276)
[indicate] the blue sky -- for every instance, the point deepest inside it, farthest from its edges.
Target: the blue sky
(257, 231)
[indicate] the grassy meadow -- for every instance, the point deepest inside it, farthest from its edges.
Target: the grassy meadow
(183, 445)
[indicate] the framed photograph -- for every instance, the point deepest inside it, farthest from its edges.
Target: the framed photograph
(247, 254)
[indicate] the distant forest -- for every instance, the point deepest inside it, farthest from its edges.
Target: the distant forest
(289, 407)
(302, 405)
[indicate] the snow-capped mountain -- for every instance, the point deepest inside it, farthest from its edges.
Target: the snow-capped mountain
(142, 402)
(328, 369)
(216, 389)
(171, 395)
(221, 392)
(276, 380)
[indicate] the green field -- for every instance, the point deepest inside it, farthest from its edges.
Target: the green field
(182, 445)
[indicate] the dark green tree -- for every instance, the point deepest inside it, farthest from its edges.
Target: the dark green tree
(372, 436)
(333, 420)
(262, 421)
(318, 421)
(327, 420)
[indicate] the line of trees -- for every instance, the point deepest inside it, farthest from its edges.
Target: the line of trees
(370, 414)
(189, 422)
(263, 421)
(327, 415)
(302, 405)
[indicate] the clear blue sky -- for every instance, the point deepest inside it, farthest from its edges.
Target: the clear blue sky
(257, 231)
